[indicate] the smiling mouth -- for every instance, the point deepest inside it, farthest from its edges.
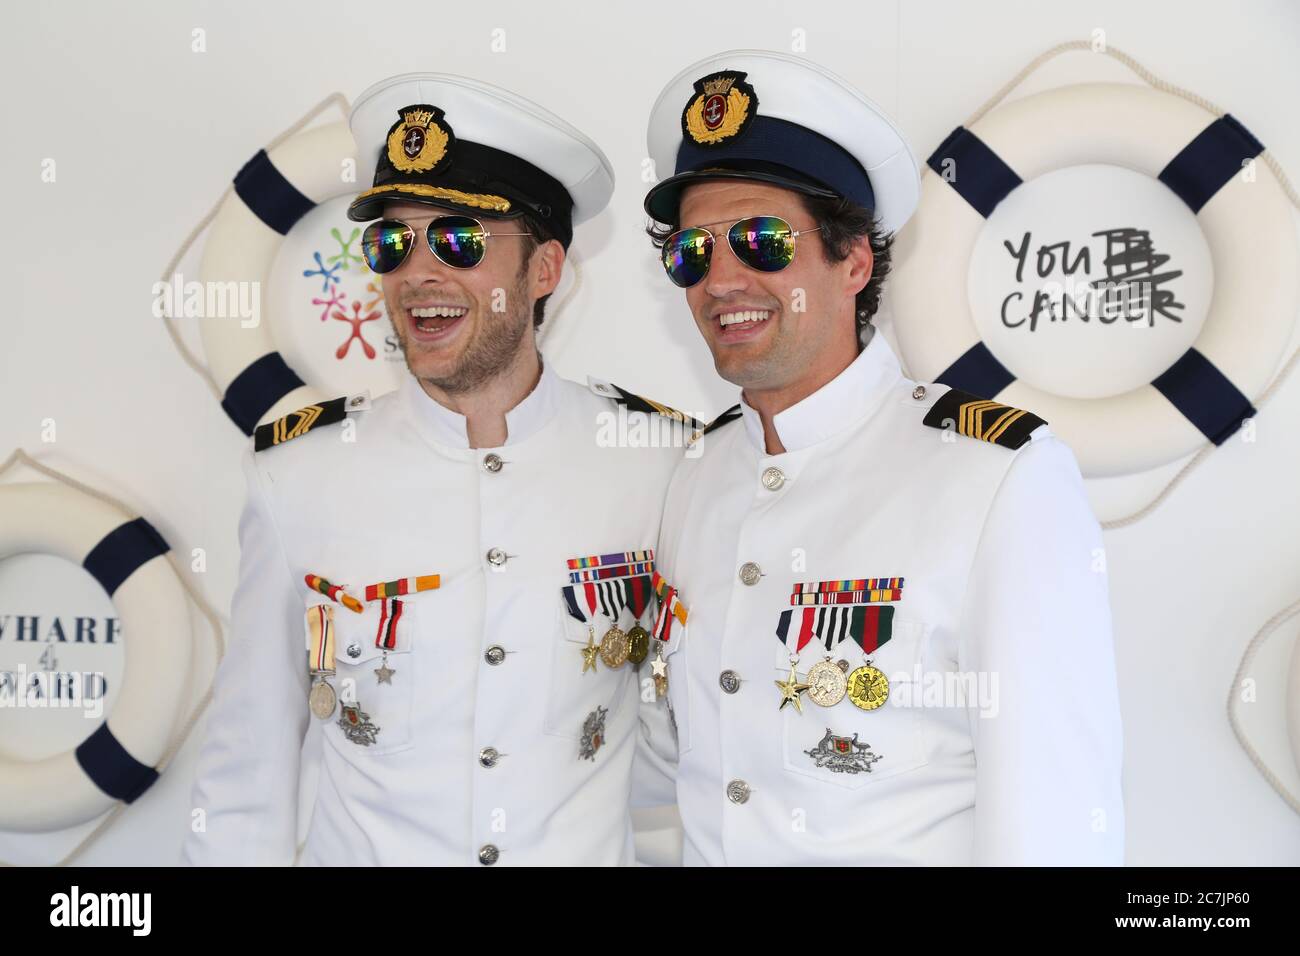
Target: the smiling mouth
(436, 318)
(742, 319)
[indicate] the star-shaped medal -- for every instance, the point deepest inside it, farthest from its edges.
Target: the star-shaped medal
(790, 689)
(589, 652)
(384, 672)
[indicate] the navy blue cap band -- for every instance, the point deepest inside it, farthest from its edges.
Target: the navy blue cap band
(771, 140)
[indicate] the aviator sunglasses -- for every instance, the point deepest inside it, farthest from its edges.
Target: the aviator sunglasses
(765, 243)
(457, 241)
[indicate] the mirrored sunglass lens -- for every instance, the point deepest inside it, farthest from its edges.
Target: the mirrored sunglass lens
(457, 240)
(686, 256)
(764, 243)
(386, 244)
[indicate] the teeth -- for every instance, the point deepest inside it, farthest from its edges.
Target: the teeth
(439, 312)
(753, 315)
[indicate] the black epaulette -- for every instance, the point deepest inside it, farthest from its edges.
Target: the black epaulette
(637, 403)
(730, 415)
(982, 418)
(305, 419)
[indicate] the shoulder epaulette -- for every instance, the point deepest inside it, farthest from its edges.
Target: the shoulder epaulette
(982, 418)
(730, 415)
(305, 419)
(637, 403)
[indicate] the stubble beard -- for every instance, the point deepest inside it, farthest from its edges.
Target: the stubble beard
(492, 351)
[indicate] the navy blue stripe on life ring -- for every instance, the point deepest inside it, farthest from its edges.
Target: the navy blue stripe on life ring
(273, 199)
(977, 371)
(978, 174)
(1205, 396)
(257, 388)
(106, 762)
(121, 552)
(1206, 163)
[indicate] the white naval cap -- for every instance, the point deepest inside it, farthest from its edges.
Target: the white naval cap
(753, 114)
(453, 141)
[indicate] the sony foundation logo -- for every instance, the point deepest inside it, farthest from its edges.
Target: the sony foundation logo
(102, 909)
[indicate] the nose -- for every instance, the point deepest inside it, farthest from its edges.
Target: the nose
(727, 274)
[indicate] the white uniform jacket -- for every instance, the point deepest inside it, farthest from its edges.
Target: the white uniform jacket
(999, 741)
(479, 753)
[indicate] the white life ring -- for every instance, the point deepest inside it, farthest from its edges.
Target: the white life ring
(272, 192)
(126, 555)
(1206, 393)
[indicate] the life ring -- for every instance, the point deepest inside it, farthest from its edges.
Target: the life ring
(126, 555)
(1205, 394)
(271, 193)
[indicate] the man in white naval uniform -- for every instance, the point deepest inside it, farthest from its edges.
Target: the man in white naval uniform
(896, 646)
(468, 716)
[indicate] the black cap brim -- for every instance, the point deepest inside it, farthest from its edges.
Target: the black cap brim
(664, 199)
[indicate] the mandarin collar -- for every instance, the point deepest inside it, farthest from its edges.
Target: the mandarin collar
(448, 428)
(844, 400)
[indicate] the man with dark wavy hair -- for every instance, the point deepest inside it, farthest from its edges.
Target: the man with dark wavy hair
(893, 639)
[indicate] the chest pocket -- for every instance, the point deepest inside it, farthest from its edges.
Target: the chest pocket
(591, 667)
(845, 745)
(375, 685)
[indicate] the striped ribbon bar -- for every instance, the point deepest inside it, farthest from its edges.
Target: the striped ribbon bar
(390, 612)
(402, 586)
(332, 591)
(618, 557)
(611, 571)
(848, 597)
(320, 638)
(667, 595)
(870, 626)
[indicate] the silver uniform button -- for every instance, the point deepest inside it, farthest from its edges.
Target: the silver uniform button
(729, 681)
(918, 393)
(738, 791)
(354, 650)
(773, 479)
(492, 463)
(495, 654)
(488, 757)
(496, 557)
(488, 854)
(750, 573)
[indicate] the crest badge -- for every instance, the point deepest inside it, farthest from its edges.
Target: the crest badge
(593, 733)
(421, 141)
(722, 109)
(843, 754)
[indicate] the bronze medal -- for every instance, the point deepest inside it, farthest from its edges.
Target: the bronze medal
(868, 687)
(827, 684)
(614, 647)
(638, 639)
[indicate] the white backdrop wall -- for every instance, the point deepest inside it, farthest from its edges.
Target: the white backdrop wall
(146, 133)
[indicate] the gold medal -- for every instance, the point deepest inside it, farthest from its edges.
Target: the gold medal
(638, 641)
(868, 687)
(614, 647)
(322, 698)
(827, 684)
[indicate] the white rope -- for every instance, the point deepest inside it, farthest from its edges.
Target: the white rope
(1276, 621)
(180, 736)
(190, 359)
